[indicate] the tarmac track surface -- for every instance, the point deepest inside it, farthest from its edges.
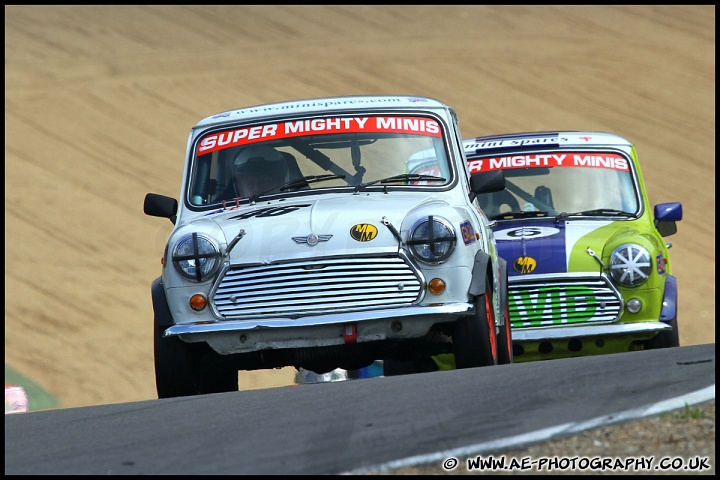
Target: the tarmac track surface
(368, 425)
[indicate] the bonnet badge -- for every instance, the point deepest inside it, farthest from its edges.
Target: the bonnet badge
(312, 239)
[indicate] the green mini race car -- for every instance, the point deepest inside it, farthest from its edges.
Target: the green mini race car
(589, 270)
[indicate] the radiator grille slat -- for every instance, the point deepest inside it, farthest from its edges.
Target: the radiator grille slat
(566, 300)
(316, 285)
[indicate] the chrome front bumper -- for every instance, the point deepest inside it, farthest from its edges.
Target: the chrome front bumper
(585, 331)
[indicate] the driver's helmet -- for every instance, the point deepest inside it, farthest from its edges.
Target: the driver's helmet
(261, 159)
(260, 170)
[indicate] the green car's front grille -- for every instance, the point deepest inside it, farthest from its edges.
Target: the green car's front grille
(544, 300)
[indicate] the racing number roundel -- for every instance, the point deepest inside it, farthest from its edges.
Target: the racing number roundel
(525, 232)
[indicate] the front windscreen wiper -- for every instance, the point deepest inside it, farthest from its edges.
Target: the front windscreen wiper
(401, 177)
(524, 214)
(300, 182)
(611, 212)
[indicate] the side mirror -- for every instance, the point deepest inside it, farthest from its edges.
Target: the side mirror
(157, 205)
(666, 214)
(486, 182)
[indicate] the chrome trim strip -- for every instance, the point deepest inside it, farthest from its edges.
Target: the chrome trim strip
(550, 277)
(458, 309)
(559, 332)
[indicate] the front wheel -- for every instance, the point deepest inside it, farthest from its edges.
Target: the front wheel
(504, 338)
(666, 339)
(184, 369)
(504, 342)
(474, 340)
(392, 367)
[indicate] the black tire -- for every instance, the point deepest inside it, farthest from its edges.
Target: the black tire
(504, 341)
(504, 337)
(392, 367)
(184, 369)
(665, 339)
(474, 340)
(217, 374)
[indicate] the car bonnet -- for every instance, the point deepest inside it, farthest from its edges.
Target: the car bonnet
(539, 246)
(336, 225)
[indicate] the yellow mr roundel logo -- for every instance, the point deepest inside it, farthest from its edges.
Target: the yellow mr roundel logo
(524, 264)
(363, 232)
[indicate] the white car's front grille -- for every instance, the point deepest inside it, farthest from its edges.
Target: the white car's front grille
(313, 286)
(551, 301)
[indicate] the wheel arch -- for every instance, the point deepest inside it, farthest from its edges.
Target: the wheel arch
(503, 291)
(669, 305)
(480, 272)
(163, 317)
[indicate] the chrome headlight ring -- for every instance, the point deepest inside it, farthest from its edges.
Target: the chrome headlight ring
(432, 240)
(196, 257)
(630, 265)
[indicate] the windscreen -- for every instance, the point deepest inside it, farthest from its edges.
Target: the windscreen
(560, 182)
(312, 155)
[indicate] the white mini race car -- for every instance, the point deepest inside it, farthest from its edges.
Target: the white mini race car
(310, 234)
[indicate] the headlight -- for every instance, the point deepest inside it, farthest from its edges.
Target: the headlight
(196, 257)
(432, 240)
(630, 265)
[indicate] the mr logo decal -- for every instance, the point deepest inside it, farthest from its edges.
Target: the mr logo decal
(363, 232)
(660, 262)
(524, 264)
(468, 232)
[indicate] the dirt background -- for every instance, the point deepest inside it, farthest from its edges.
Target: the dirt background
(99, 101)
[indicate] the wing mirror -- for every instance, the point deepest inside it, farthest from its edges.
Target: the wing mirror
(666, 214)
(486, 182)
(157, 205)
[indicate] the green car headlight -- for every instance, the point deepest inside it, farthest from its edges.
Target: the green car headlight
(630, 265)
(196, 257)
(432, 240)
